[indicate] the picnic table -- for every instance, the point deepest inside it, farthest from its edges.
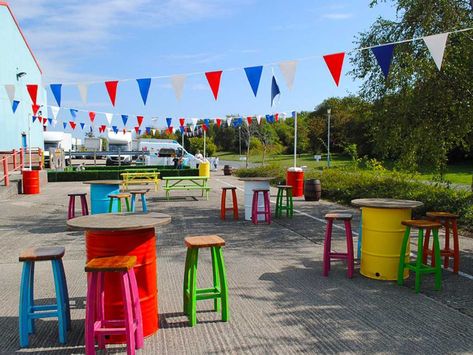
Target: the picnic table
(140, 176)
(186, 183)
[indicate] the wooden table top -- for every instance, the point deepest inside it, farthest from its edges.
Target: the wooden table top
(256, 178)
(386, 203)
(185, 178)
(119, 221)
(103, 182)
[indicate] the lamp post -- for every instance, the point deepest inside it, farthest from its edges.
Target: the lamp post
(239, 138)
(329, 111)
(295, 138)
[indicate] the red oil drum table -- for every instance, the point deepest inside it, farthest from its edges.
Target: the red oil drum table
(126, 234)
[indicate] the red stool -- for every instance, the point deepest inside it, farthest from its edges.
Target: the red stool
(267, 207)
(448, 220)
(223, 207)
(71, 213)
(328, 254)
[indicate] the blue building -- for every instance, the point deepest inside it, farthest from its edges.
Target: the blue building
(19, 67)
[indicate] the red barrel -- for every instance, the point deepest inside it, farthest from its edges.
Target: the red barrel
(295, 178)
(30, 182)
(142, 244)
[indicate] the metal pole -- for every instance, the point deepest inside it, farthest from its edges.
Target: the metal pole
(295, 139)
(182, 138)
(239, 137)
(204, 143)
(95, 157)
(29, 138)
(119, 158)
(329, 111)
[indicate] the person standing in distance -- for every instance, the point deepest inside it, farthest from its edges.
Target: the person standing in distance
(199, 157)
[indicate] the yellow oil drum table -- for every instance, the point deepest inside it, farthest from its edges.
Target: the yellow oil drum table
(382, 234)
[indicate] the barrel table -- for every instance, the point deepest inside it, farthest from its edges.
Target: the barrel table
(382, 234)
(99, 191)
(250, 184)
(126, 234)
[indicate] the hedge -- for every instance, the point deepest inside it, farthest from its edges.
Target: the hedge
(130, 167)
(343, 185)
(85, 175)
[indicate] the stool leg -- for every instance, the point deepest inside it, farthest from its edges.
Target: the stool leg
(222, 204)
(133, 207)
(267, 207)
(65, 294)
(235, 204)
(119, 200)
(456, 247)
(73, 209)
(446, 258)
(127, 202)
(420, 243)
(60, 302)
(128, 312)
(186, 286)
(278, 204)
(69, 209)
(327, 242)
(83, 205)
(31, 325)
(438, 267)
(23, 311)
(402, 257)
(193, 287)
(139, 339)
(90, 307)
(143, 203)
(100, 307)
(86, 206)
(287, 203)
(350, 258)
(425, 251)
(216, 279)
(223, 284)
(110, 205)
(254, 208)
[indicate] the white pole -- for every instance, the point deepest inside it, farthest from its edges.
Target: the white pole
(29, 138)
(182, 138)
(295, 139)
(329, 111)
(204, 143)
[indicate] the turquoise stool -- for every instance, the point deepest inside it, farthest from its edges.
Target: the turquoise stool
(143, 199)
(28, 312)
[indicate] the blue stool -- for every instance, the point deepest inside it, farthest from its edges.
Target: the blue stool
(28, 312)
(143, 199)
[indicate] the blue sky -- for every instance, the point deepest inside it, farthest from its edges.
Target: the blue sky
(93, 41)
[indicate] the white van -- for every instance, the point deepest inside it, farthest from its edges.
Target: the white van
(162, 152)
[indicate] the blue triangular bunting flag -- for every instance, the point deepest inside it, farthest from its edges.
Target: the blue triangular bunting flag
(148, 130)
(182, 129)
(56, 90)
(254, 76)
(124, 119)
(144, 85)
(207, 122)
(64, 124)
(50, 120)
(169, 121)
(115, 129)
(34, 118)
(274, 90)
(14, 105)
(82, 124)
(74, 113)
(384, 56)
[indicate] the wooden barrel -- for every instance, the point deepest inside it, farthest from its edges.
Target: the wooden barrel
(312, 190)
(227, 170)
(30, 182)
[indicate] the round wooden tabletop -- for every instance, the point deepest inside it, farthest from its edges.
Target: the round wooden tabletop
(386, 203)
(256, 178)
(103, 182)
(119, 221)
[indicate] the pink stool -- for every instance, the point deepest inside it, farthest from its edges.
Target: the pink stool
(328, 254)
(96, 326)
(71, 213)
(267, 207)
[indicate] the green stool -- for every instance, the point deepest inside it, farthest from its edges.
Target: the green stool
(289, 206)
(418, 267)
(219, 291)
(119, 197)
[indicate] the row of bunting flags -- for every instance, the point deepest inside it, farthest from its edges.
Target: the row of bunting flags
(383, 54)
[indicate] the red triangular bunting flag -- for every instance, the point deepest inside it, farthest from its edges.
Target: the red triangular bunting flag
(73, 124)
(103, 128)
(213, 78)
(137, 129)
(335, 63)
(249, 120)
(33, 91)
(92, 116)
(219, 122)
(140, 121)
(182, 121)
(112, 90)
(276, 117)
(35, 109)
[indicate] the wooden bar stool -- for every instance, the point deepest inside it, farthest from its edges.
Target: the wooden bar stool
(267, 206)
(418, 266)
(223, 207)
(289, 205)
(142, 193)
(96, 326)
(28, 312)
(449, 221)
(72, 205)
(328, 254)
(219, 291)
(125, 196)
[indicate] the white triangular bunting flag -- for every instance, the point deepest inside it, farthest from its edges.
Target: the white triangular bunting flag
(54, 123)
(192, 127)
(288, 70)
(153, 132)
(194, 121)
(436, 45)
(109, 117)
(229, 121)
(83, 91)
(258, 119)
(282, 116)
(54, 111)
(10, 89)
(177, 82)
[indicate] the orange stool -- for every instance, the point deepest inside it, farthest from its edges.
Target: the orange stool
(223, 207)
(448, 220)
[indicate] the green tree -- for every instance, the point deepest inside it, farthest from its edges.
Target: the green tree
(197, 143)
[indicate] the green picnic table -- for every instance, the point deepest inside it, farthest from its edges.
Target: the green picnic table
(186, 183)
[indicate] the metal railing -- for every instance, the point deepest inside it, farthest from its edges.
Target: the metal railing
(15, 160)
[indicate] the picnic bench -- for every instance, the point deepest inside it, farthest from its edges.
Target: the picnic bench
(141, 176)
(186, 183)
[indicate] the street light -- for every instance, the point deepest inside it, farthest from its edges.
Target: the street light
(329, 111)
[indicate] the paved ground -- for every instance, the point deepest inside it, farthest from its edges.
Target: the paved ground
(280, 303)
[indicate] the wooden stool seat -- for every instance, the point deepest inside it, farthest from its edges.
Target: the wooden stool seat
(421, 223)
(78, 194)
(42, 254)
(120, 195)
(444, 215)
(111, 264)
(338, 216)
(204, 241)
(137, 192)
(261, 190)
(229, 188)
